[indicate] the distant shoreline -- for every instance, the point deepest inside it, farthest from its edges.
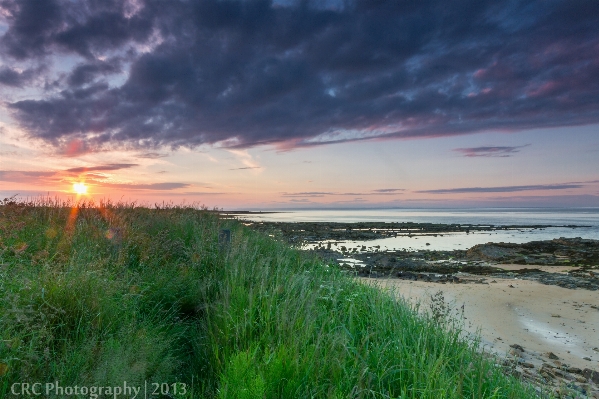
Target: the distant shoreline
(248, 212)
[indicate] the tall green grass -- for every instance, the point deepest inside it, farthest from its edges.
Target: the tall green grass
(101, 294)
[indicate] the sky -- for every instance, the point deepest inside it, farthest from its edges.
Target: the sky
(287, 104)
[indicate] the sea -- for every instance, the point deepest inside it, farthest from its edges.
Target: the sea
(566, 222)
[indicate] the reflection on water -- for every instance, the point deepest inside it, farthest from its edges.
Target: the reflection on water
(496, 216)
(451, 241)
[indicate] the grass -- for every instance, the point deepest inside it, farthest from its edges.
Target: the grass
(97, 295)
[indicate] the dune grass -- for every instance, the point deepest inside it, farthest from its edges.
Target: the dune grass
(97, 295)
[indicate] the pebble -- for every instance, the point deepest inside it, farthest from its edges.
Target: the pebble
(516, 352)
(517, 347)
(552, 356)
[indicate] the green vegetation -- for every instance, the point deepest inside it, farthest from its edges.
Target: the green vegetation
(101, 295)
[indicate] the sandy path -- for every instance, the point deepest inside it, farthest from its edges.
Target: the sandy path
(540, 318)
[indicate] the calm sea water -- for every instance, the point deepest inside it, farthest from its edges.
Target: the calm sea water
(521, 216)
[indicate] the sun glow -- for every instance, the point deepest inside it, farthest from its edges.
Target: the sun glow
(80, 188)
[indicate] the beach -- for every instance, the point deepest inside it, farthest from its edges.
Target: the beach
(540, 318)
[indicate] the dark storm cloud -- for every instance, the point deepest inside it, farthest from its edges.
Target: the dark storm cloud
(12, 77)
(505, 189)
(112, 166)
(244, 73)
(86, 73)
(490, 151)
(39, 28)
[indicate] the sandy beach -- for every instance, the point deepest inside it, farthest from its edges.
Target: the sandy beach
(540, 318)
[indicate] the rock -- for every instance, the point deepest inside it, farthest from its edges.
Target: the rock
(574, 370)
(591, 375)
(492, 252)
(527, 365)
(515, 352)
(551, 356)
(518, 347)
(547, 374)
(587, 358)
(563, 374)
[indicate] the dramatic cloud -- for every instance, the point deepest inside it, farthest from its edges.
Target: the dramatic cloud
(505, 189)
(242, 73)
(18, 78)
(86, 73)
(112, 166)
(10, 77)
(151, 155)
(388, 190)
(490, 151)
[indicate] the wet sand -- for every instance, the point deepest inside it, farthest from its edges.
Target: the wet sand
(541, 318)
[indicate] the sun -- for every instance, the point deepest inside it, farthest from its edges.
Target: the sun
(80, 188)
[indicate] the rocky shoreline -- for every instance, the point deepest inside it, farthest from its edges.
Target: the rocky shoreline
(479, 264)
(313, 232)
(482, 263)
(548, 373)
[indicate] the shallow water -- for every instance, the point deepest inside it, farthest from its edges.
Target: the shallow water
(451, 241)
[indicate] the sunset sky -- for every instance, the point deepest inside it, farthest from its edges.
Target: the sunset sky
(302, 104)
